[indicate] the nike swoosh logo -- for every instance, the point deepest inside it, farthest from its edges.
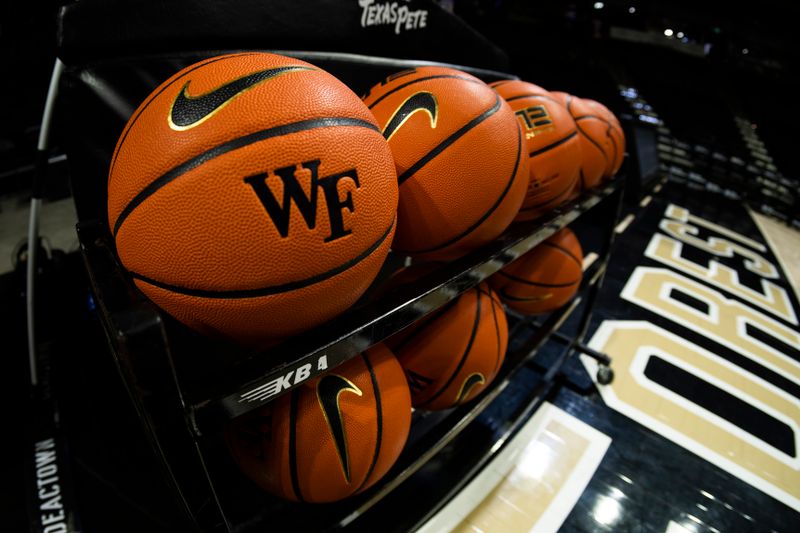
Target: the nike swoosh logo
(329, 388)
(472, 381)
(189, 111)
(423, 101)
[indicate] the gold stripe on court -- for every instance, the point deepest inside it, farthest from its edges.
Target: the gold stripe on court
(534, 482)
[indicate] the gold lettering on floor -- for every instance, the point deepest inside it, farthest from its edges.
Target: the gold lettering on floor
(631, 345)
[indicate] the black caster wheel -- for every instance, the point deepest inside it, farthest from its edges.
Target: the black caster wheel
(605, 375)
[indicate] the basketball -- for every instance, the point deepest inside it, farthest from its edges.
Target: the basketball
(552, 144)
(451, 356)
(232, 176)
(617, 136)
(545, 278)
(596, 147)
(331, 437)
(458, 150)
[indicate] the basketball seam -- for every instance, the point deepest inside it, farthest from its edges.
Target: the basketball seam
(273, 289)
(507, 296)
(419, 80)
(598, 117)
(463, 357)
(497, 333)
(293, 445)
(532, 95)
(595, 143)
(379, 411)
(496, 300)
(499, 83)
(573, 256)
(485, 215)
(614, 142)
(428, 321)
(152, 97)
(229, 146)
(452, 138)
(539, 284)
(560, 193)
(554, 144)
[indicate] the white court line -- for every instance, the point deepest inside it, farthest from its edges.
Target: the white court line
(622, 226)
(589, 261)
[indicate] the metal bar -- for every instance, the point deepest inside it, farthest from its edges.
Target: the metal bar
(390, 62)
(581, 347)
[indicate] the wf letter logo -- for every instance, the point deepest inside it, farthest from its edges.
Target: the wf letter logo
(293, 193)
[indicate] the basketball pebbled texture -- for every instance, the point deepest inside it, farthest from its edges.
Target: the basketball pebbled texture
(200, 212)
(290, 447)
(552, 143)
(543, 279)
(459, 156)
(616, 134)
(596, 145)
(452, 355)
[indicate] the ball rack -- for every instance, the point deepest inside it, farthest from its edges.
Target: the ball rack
(185, 388)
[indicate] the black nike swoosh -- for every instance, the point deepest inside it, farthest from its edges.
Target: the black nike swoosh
(189, 111)
(422, 101)
(473, 380)
(328, 390)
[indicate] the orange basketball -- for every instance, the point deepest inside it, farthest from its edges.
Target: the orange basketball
(545, 278)
(552, 144)
(252, 196)
(616, 133)
(332, 437)
(450, 357)
(459, 157)
(596, 147)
